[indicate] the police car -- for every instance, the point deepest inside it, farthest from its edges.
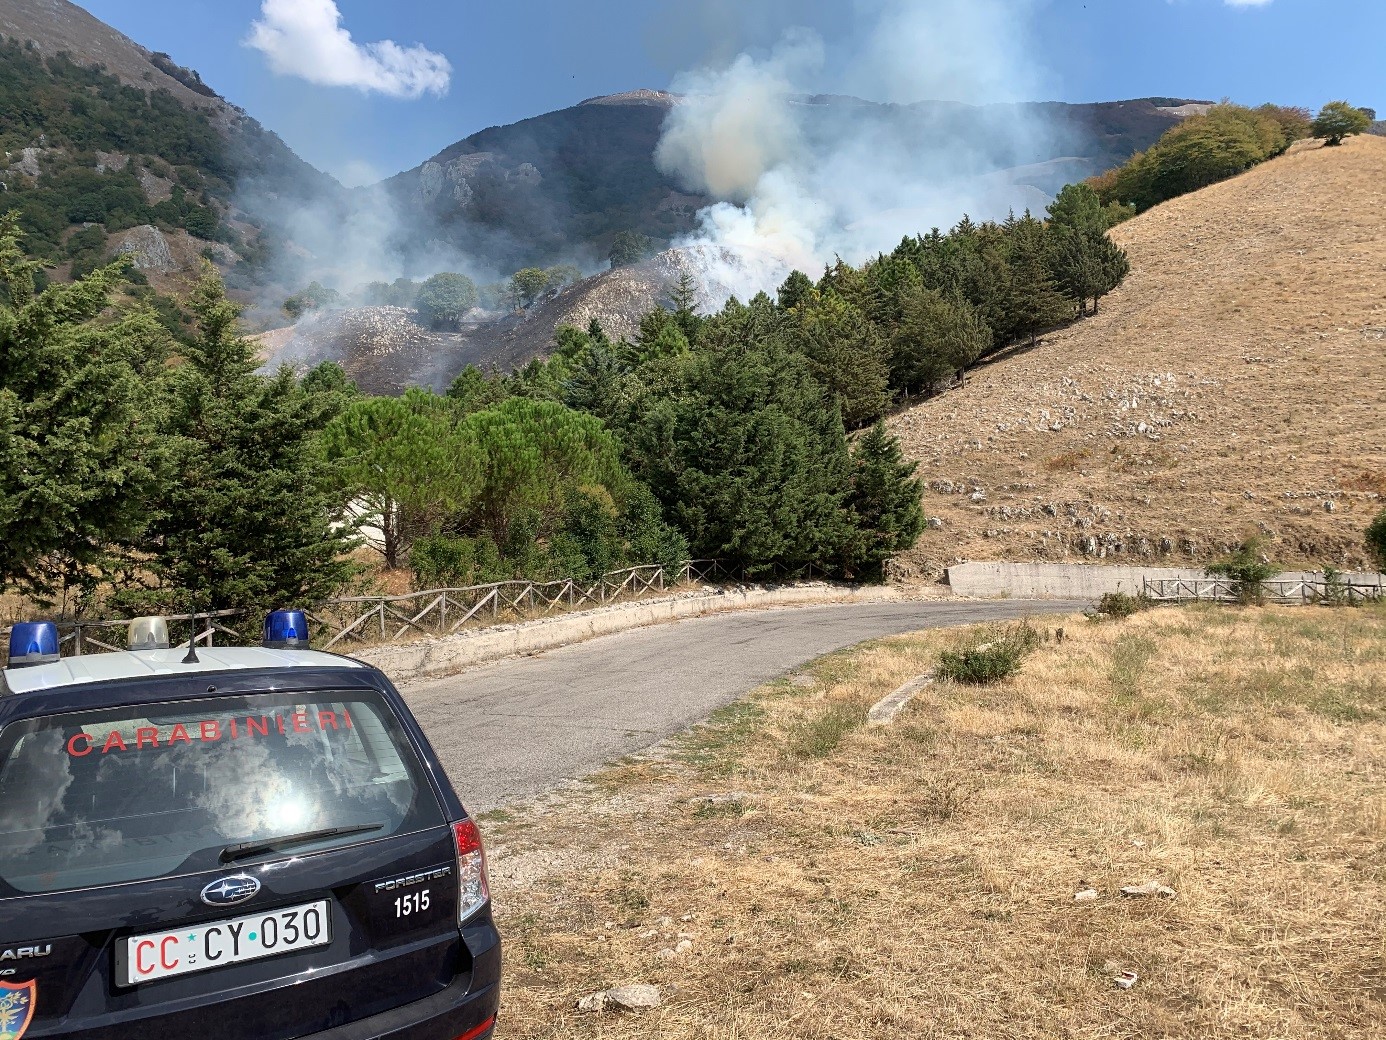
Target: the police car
(245, 843)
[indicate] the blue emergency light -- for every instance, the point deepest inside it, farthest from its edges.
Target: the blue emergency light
(33, 643)
(286, 630)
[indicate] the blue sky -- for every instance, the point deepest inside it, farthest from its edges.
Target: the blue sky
(456, 66)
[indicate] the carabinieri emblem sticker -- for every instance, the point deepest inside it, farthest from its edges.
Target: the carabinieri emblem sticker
(16, 1008)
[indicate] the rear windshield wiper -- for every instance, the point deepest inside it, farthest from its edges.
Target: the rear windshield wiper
(247, 849)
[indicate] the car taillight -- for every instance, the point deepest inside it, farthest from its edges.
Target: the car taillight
(473, 890)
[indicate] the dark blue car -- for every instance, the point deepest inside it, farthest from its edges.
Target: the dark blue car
(257, 844)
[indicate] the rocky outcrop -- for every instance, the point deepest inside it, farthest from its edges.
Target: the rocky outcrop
(147, 248)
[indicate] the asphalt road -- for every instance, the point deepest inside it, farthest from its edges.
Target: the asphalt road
(521, 727)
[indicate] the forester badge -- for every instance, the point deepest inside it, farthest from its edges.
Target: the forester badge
(16, 1008)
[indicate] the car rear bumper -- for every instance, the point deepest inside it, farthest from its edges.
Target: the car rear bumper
(458, 1011)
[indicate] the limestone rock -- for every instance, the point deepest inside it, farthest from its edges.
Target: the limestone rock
(636, 997)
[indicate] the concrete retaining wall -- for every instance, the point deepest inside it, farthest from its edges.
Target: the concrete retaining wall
(451, 654)
(1081, 581)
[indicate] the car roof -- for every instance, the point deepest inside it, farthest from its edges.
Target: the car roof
(146, 664)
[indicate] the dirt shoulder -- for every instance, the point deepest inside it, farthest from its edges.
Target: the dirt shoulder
(830, 879)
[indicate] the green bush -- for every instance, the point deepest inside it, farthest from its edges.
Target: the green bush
(992, 661)
(1249, 567)
(1121, 605)
(1376, 540)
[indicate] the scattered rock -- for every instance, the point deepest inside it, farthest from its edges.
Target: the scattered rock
(684, 946)
(1150, 888)
(636, 997)
(1126, 979)
(1086, 895)
(666, 954)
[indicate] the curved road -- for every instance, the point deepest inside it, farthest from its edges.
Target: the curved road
(520, 727)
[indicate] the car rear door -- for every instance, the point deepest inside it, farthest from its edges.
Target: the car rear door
(253, 866)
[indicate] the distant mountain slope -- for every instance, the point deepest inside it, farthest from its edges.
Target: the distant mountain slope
(564, 184)
(101, 136)
(1236, 384)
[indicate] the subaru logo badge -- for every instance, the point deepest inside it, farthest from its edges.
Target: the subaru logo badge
(230, 891)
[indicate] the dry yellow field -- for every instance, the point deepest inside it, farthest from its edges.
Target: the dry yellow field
(1235, 384)
(841, 881)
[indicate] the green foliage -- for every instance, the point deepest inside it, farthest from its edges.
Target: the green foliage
(527, 286)
(1200, 151)
(746, 456)
(1376, 540)
(534, 453)
(250, 518)
(69, 112)
(400, 293)
(993, 661)
(314, 297)
(444, 300)
(475, 391)
(1249, 567)
(884, 501)
(628, 249)
(1338, 120)
(1120, 605)
(934, 339)
(406, 463)
(846, 354)
(79, 451)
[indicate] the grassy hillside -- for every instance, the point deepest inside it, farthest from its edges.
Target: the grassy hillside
(1235, 384)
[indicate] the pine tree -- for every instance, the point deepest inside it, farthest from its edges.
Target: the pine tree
(747, 457)
(80, 455)
(935, 338)
(846, 354)
(405, 464)
(251, 518)
(1035, 303)
(884, 502)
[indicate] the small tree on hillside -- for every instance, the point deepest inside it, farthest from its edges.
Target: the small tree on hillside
(445, 300)
(1249, 567)
(628, 249)
(528, 285)
(1376, 540)
(1338, 120)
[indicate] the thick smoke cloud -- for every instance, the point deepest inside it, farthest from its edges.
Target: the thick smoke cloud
(306, 38)
(802, 179)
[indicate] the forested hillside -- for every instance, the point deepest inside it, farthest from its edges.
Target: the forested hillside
(109, 148)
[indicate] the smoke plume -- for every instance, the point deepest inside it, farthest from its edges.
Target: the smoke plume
(802, 177)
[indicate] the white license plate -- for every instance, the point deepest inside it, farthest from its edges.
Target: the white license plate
(215, 944)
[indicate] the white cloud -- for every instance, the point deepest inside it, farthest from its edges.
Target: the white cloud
(1246, 3)
(305, 38)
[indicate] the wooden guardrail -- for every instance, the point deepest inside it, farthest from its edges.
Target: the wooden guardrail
(1229, 590)
(365, 620)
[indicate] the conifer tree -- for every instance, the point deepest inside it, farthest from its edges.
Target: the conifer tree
(80, 455)
(885, 503)
(846, 354)
(253, 518)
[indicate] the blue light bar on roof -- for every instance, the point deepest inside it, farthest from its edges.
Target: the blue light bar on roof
(286, 630)
(33, 643)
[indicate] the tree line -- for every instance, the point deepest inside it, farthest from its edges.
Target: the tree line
(1225, 141)
(146, 471)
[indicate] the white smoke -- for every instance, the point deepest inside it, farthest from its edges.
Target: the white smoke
(306, 38)
(802, 179)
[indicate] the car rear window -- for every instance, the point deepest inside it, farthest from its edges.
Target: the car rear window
(117, 795)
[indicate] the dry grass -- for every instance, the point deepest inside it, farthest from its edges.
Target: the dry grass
(917, 881)
(1249, 342)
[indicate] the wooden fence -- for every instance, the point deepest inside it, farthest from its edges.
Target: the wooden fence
(1228, 590)
(355, 621)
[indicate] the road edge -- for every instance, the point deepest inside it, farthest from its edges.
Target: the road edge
(449, 655)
